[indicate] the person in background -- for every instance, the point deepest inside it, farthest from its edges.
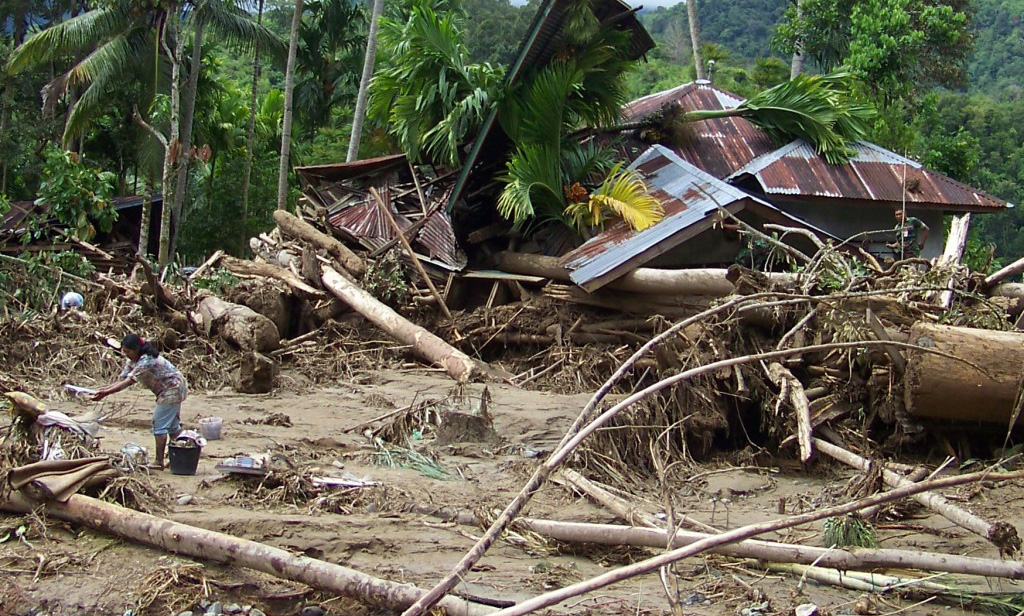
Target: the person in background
(71, 300)
(146, 366)
(911, 235)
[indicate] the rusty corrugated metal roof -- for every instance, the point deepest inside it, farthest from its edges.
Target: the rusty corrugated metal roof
(691, 198)
(336, 172)
(872, 174)
(719, 146)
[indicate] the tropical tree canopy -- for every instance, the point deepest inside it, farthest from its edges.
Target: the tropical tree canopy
(120, 40)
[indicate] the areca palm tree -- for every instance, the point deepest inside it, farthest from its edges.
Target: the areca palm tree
(429, 94)
(122, 40)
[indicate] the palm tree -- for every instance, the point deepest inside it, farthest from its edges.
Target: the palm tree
(325, 64)
(364, 82)
(116, 42)
(250, 131)
(289, 91)
(429, 95)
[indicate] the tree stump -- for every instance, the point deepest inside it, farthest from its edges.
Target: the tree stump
(255, 374)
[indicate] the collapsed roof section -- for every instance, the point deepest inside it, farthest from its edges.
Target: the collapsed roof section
(873, 174)
(693, 200)
(416, 204)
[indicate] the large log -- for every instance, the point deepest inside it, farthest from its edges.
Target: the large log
(457, 364)
(295, 227)
(241, 326)
(943, 388)
(211, 545)
(704, 281)
(266, 270)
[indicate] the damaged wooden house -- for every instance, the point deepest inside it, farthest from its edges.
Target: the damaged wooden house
(107, 250)
(727, 170)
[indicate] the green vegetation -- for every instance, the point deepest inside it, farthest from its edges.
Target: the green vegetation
(944, 77)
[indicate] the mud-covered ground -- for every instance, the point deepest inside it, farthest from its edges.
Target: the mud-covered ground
(54, 568)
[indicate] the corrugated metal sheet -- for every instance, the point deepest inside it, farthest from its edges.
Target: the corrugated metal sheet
(438, 237)
(336, 172)
(873, 174)
(719, 146)
(690, 197)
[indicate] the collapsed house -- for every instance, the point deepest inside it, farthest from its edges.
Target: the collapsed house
(108, 250)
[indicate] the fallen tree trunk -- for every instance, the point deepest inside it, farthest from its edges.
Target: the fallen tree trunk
(703, 281)
(211, 545)
(266, 270)
(1001, 534)
(943, 388)
(241, 326)
(295, 227)
(771, 551)
(457, 364)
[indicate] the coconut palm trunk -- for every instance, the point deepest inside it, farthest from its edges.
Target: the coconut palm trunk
(250, 136)
(698, 56)
(286, 125)
(147, 217)
(187, 116)
(364, 82)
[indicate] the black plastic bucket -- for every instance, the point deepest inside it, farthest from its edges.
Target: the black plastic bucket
(184, 460)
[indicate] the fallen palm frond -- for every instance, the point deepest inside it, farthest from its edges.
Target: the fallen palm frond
(394, 456)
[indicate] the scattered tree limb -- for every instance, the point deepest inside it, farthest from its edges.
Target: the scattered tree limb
(266, 270)
(739, 534)
(847, 559)
(210, 545)
(792, 388)
(1001, 534)
(295, 227)
(1010, 270)
(207, 264)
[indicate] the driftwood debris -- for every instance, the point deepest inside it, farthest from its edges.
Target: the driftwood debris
(1001, 534)
(295, 227)
(457, 364)
(792, 389)
(242, 327)
(982, 390)
(266, 270)
(683, 282)
(210, 545)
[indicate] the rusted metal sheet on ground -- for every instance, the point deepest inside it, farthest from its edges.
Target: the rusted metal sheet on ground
(872, 174)
(719, 146)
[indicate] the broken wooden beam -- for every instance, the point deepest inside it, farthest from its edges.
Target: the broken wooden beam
(210, 545)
